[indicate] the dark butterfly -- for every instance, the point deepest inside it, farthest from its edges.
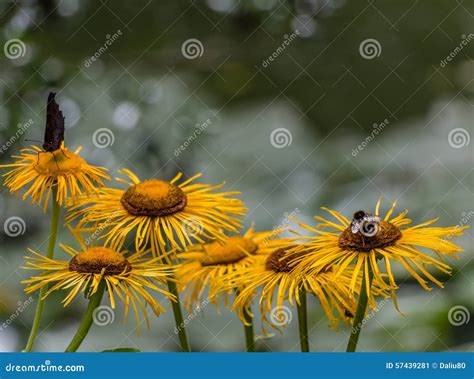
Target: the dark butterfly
(54, 131)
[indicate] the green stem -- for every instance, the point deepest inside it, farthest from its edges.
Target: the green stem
(94, 302)
(360, 314)
(173, 289)
(178, 317)
(55, 212)
(303, 321)
(248, 329)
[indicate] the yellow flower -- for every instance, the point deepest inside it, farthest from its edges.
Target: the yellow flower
(39, 171)
(204, 266)
(158, 210)
(367, 239)
(130, 279)
(272, 273)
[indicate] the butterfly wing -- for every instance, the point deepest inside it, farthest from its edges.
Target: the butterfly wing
(54, 131)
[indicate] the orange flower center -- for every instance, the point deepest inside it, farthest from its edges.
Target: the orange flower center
(277, 261)
(58, 162)
(386, 235)
(98, 260)
(153, 198)
(233, 250)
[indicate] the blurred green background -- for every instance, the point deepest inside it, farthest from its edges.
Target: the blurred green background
(283, 130)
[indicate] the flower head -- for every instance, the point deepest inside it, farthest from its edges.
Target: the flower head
(39, 172)
(53, 168)
(273, 275)
(158, 210)
(131, 279)
(204, 266)
(367, 239)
